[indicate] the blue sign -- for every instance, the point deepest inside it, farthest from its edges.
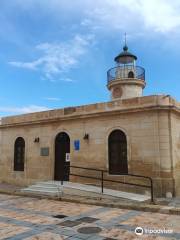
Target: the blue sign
(76, 145)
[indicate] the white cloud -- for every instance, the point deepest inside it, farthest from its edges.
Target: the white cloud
(28, 65)
(21, 110)
(66, 79)
(58, 58)
(52, 98)
(56, 79)
(158, 15)
(134, 15)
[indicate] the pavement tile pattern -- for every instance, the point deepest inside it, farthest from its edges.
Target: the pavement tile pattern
(35, 219)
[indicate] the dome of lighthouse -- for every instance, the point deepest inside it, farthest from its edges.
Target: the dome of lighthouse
(125, 57)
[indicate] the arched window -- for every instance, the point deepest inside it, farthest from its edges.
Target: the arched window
(130, 74)
(19, 154)
(117, 151)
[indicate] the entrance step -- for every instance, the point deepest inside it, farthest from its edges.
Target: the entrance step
(54, 188)
(44, 188)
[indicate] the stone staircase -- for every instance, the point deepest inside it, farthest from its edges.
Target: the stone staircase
(50, 188)
(55, 189)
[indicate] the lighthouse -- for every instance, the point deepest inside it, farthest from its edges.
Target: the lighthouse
(126, 80)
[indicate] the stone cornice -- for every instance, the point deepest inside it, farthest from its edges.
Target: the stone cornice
(149, 103)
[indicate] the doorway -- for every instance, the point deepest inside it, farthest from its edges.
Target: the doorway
(62, 150)
(117, 151)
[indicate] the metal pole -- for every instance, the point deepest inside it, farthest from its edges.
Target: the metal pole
(152, 193)
(102, 181)
(62, 179)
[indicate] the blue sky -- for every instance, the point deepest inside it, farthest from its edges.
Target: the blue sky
(56, 53)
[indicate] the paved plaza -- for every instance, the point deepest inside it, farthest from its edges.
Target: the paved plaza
(32, 219)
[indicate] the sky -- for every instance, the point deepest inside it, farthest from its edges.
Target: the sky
(56, 53)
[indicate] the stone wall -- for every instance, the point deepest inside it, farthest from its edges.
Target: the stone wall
(175, 135)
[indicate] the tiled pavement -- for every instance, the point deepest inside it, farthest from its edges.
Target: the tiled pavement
(32, 219)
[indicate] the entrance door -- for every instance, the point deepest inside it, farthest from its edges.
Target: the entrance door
(62, 147)
(117, 147)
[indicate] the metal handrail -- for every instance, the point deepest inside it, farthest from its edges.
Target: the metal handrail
(102, 171)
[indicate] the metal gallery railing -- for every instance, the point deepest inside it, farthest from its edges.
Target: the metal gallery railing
(102, 179)
(125, 72)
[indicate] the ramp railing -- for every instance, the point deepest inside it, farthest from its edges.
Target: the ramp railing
(102, 179)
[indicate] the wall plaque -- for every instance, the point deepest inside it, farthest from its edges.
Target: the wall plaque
(45, 151)
(69, 110)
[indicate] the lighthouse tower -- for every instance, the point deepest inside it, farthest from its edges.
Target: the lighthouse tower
(126, 80)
